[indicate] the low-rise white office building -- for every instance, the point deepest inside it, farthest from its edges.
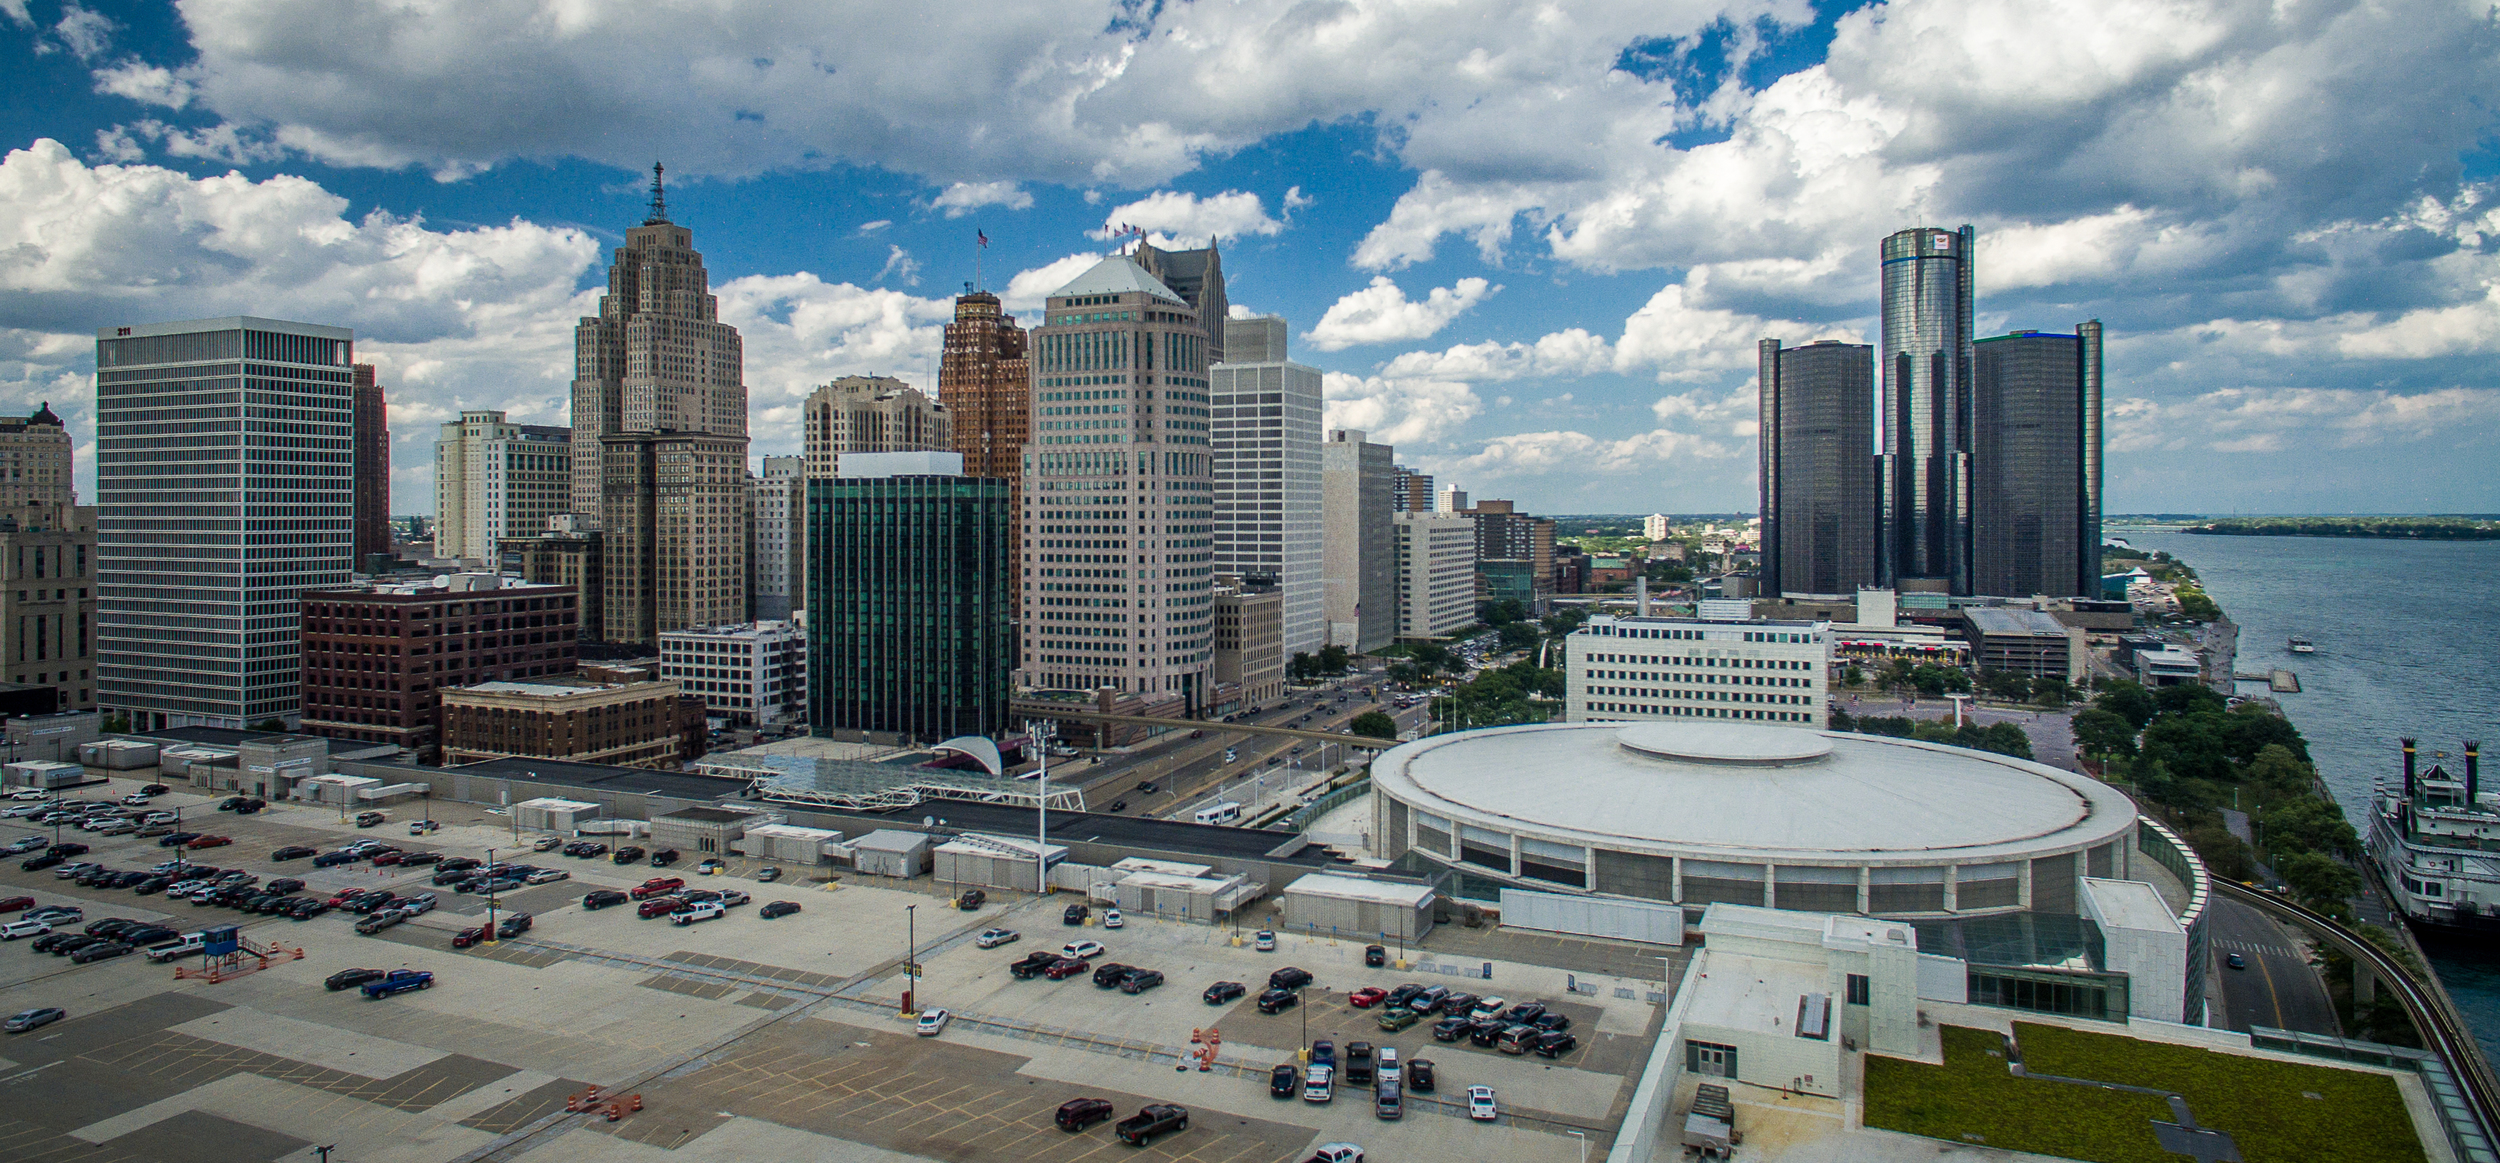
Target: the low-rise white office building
(752, 675)
(1753, 670)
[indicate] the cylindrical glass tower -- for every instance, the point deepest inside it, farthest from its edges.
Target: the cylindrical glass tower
(1926, 360)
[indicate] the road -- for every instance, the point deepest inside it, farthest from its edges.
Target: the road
(2278, 988)
(2052, 732)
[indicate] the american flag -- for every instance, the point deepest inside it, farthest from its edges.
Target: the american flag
(982, 236)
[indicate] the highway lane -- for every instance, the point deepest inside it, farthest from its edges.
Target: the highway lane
(2279, 988)
(1184, 769)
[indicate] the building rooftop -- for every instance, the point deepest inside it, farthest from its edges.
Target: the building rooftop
(702, 815)
(560, 774)
(1995, 622)
(229, 737)
(2130, 904)
(1119, 275)
(536, 690)
(1354, 888)
(751, 630)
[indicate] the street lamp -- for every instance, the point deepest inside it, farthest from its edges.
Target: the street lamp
(1041, 731)
(492, 894)
(911, 956)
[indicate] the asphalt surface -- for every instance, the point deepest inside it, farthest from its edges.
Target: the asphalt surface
(2279, 988)
(1185, 770)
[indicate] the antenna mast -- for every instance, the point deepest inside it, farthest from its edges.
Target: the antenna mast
(659, 196)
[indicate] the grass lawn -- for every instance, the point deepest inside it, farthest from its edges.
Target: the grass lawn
(2259, 1101)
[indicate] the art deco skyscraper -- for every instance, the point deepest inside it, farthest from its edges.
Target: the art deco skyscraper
(1118, 493)
(373, 468)
(986, 385)
(1197, 276)
(1266, 442)
(1819, 497)
(1926, 368)
(660, 438)
(2036, 459)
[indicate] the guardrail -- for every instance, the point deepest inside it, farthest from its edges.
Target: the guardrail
(2472, 1109)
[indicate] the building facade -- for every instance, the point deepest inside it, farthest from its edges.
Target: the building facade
(630, 724)
(2036, 497)
(214, 514)
(674, 539)
(871, 414)
(1197, 278)
(1450, 501)
(494, 480)
(1820, 497)
(561, 556)
(1926, 370)
(1635, 669)
(780, 504)
(1410, 491)
(1266, 442)
(35, 469)
(753, 675)
(1249, 639)
(1436, 575)
(985, 379)
(376, 656)
(1514, 554)
(1358, 546)
(47, 598)
(373, 468)
(910, 619)
(1654, 527)
(1119, 491)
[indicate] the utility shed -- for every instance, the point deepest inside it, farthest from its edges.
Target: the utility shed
(978, 860)
(707, 830)
(45, 773)
(1193, 898)
(550, 814)
(789, 843)
(1358, 907)
(891, 852)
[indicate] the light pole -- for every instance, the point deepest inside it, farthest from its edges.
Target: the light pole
(911, 956)
(491, 896)
(1041, 731)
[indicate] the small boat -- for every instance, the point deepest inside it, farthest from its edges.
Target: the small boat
(2302, 645)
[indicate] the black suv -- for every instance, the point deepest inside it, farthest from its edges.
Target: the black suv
(603, 898)
(1224, 991)
(1110, 976)
(1075, 915)
(1277, 1001)
(1289, 978)
(1141, 980)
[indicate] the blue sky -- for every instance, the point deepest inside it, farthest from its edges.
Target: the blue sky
(1533, 247)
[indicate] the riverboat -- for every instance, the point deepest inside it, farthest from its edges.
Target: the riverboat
(2434, 841)
(2302, 645)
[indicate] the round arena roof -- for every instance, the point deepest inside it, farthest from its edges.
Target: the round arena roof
(1768, 795)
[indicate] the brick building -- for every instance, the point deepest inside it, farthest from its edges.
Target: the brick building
(638, 724)
(376, 656)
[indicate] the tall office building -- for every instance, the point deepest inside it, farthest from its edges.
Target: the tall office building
(1411, 491)
(1926, 409)
(1436, 562)
(780, 547)
(563, 555)
(47, 559)
(1819, 494)
(1119, 491)
(373, 468)
(1358, 546)
(1197, 277)
(909, 617)
(660, 438)
(872, 414)
(2036, 457)
(225, 488)
(1266, 442)
(494, 480)
(1514, 555)
(1656, 527)
(34, 463)
(1450, 501)
(656, 358)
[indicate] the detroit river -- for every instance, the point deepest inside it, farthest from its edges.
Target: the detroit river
(2408, 636)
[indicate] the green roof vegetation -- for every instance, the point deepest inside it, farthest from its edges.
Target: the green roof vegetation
(2264, 1104)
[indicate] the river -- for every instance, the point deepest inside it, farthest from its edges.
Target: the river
(2408, 637)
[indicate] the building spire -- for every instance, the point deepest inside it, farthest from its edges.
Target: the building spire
(659, 196)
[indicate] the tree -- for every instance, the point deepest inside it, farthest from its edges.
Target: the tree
(2321, 882)
(2309, 824)
(2007, 739)
(1852, 677)
(1299, 667)
(2277, 772)
(2191, 745)
(1562, 622)
(1501, 613)
(277, 726)
(116, 724)
(2189, 698)
(1375, 725)
(1841, 720)
(1404, 673)
(2197, 607)
(2252, 728)
(2005, 684)
(2128, 700)
(2051, 692)
(1518, 635)
(2225, 855)
(2099, 732)
(1332, 659)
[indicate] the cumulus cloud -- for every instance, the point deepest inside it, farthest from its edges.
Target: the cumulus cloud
(899, 266)
(1029, 289)
(143, 83)
(965, 197)
(1530, 454)
(2273, 420)
(1171, 217)
(1398, 410)
(1381, 313)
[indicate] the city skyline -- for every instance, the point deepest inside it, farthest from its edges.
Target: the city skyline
(1566, 324)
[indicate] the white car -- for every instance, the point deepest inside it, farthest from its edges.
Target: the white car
(1337, 1153)
(20, 811)
(1111, 919)
(1480, 1106)
(22, 928)
(423, 902)
(993, 938)
(931, 1021)
(697, 912)
(731, 898)
(138, 799)
(1082, 950)
(158, 818)
(1487, 1007)
(25, 844)
(30, 794)
(548, 876)
(1319, 1083)
(1265, 942)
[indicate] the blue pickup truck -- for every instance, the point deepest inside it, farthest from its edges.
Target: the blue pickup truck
(399, 981)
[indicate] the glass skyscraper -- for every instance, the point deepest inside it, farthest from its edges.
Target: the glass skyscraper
(225, 487)
(1819, 495)
(2036, 413)
(1926, 361)
(909, 599)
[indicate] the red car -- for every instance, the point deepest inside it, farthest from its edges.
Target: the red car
(467, 937)
(657, 885)
(16, 904)
(1367, 997)
(1064, 968)
(658, 906)
(383, 859)
(210, 842)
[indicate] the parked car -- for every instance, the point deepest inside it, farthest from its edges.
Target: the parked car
(1429, 1000)
(1161, 1118)
(658, 886)
(351, 978)
(768, 875)
(1224, 991)
(993, 938)
(658, 906)
(932, 1022)
(696, 913)
(1551, 1022)
(56, 914)
(1074, 915)
(41, 861)
(1451, 1029)
(1486, 1007)
(710, 865)
(1319, 1083)
(1360, 1066)
(1111, 919)
(307, 908)
(663, 858)
(1289, 978)
(370, 819)
(1033, 964)
(380, 921)
(1374, 956)
(1141, 980)
(1419, 1076)
(16, 904)
(1323, 1050)
(627, 855)
(1480, 1104)
(546, 843)
(514, 926)
(1063, 969)
(1367, 997)
(1110, 974)
(777, 909)
(1525, 1013)
(1082, 950)
(421, 827)
(1555, 1044)
(1394, 1020)
(972, 900)
(468, 937)
(1284, 1081)
(208, 842)
(420, 858)
(1277, 1001)
(547, 876)
(603, 898)
(294, 852)
(1076, 1114)
(35, 1019)
(22, 927)
(399, 981)
(1264, 941)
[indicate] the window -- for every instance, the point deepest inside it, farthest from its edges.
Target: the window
(1710, 1059)
(1861, 990)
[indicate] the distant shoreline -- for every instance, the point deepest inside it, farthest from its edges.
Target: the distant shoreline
(2376, 530)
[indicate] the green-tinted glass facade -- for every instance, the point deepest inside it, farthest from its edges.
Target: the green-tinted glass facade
(908, 611)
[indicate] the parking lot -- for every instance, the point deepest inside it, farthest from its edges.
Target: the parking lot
(747, 1038)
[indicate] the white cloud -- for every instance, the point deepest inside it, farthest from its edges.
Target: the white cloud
(800, 331)
(84, 32)
(1029, 289)
(144, 83)
(1175, 217)
(1566, 354)
(965, 197)
(1381, 313)
(15, 10)
(867, 228)
(1398, 410)
(900, 266)
(1533, 454)
(2277, 420)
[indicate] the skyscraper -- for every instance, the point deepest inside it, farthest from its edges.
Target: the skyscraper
(1197, 276)
(1410, 491)
(1267, 491)
(48, 560)
(1819, 496)
(1119, 491)
(1358, 543)
(2036, 419)
(909, 602)
(1926, 356)
(780, 553)
(494, 480)
(660, 438)
(373, 468)
(34, 462)
(221, 496)
(1514, 555)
